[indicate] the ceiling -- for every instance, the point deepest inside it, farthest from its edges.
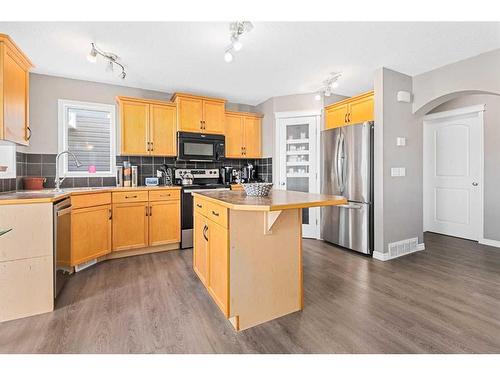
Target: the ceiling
(278, 58)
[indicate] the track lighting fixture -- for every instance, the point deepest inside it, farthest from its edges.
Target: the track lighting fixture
(236, 30)
(329, 84)
(111, 59)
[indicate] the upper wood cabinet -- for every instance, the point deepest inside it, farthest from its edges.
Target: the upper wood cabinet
(148, 127)
(350, 111)
(243, 135)
(199, 114)
(14, 92)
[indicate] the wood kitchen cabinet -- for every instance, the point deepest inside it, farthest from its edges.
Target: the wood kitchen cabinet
(211, 250)
(148, 127)
(243, 135)
(164, 222)
(130, 225)
(90, 233)
(14, 92)
(200, 247)
(350, 111)
(199, 114)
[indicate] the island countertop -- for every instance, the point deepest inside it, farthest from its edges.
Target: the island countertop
(276, 201)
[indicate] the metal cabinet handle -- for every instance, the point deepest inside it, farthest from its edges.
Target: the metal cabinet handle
(345, 118)
(29, 133)
(110, 214)
(146, 209)
(164, 195)
(199, 205)
(150, 210)
(130, 196)
(205, 228)
(349, 117)
(215, 213)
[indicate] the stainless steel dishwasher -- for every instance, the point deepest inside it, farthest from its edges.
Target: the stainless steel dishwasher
(62, 244)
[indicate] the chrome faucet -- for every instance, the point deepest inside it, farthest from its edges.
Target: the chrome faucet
(58, 181)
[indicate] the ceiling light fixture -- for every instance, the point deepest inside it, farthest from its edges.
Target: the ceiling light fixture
(236, 30)
(111, 59)
(330, 84)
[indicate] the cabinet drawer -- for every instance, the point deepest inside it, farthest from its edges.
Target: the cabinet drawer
(90, 200)
(130, 196)
(200, 206)
(164, 195)
(216, 213)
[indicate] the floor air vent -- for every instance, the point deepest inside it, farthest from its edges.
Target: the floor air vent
(396, 249)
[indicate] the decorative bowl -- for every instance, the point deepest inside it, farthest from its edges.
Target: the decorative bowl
(257, 189)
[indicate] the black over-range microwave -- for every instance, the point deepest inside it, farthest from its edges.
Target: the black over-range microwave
(200, 147)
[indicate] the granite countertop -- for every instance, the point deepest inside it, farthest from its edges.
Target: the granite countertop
(276, 201)
(49, 195)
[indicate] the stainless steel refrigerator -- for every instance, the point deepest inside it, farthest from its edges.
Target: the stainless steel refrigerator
(347, 166)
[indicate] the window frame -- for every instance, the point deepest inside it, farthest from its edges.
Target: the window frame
(62, 130)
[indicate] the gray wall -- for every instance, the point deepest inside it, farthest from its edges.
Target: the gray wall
(480, 73)
(398, 200)
(491, 156)
(46, 90)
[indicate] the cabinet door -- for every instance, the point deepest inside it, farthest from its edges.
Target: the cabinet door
(130, 225)
(200, 248)
(163, 130)
(213, 117)
(15, 98)
(234, 136)
(90, 233)
(190, 114)
(361, 110)
(135, 127)
(218, 265)
(164, 222)
(252, 137)
(336, 116)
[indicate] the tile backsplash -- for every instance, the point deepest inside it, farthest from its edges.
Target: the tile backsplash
(43, 165)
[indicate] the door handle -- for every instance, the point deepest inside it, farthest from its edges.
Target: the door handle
(345, 118)
(199, 205)
(215, 213)
(475, 183)
(130, 196)
(150, 210)
(3, 231)
(29, 133)
(110, 214)
(205, 228)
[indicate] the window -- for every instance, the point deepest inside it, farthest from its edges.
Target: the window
(87, 130)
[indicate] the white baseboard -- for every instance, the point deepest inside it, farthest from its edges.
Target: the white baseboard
(385, 256)
(485, 241)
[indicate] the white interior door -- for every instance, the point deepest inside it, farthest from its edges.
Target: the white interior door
(298, 163)
(453, 154)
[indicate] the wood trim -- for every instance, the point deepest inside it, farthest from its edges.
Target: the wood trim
(192, 96)
(249, 114)
(455, 112)
(145, 101)
(7, 40)
(351, 99)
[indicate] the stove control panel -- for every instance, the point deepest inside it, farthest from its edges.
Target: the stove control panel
(197, 173)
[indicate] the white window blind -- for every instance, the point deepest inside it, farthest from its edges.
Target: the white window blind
(87, 131)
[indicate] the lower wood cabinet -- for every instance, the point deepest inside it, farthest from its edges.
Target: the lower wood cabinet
(90, 233)
(164, 222)
(211, 253)
(218, 265)
(200, 247)
(130, 225)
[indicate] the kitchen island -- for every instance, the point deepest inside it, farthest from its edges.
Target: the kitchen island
(248, 251)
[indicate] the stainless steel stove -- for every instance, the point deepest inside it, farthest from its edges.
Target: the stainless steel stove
(204, 180)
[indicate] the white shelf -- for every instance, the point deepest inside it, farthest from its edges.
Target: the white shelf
(296, 163)
(300, 140)
(298, 152)
(297, 175)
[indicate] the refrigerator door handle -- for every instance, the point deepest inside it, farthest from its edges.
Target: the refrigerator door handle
(351, 206)
(336, 164)
(341, 163)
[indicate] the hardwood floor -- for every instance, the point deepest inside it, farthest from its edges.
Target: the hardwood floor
(445, 299)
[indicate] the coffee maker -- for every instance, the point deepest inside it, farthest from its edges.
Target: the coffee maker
(226, 175)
